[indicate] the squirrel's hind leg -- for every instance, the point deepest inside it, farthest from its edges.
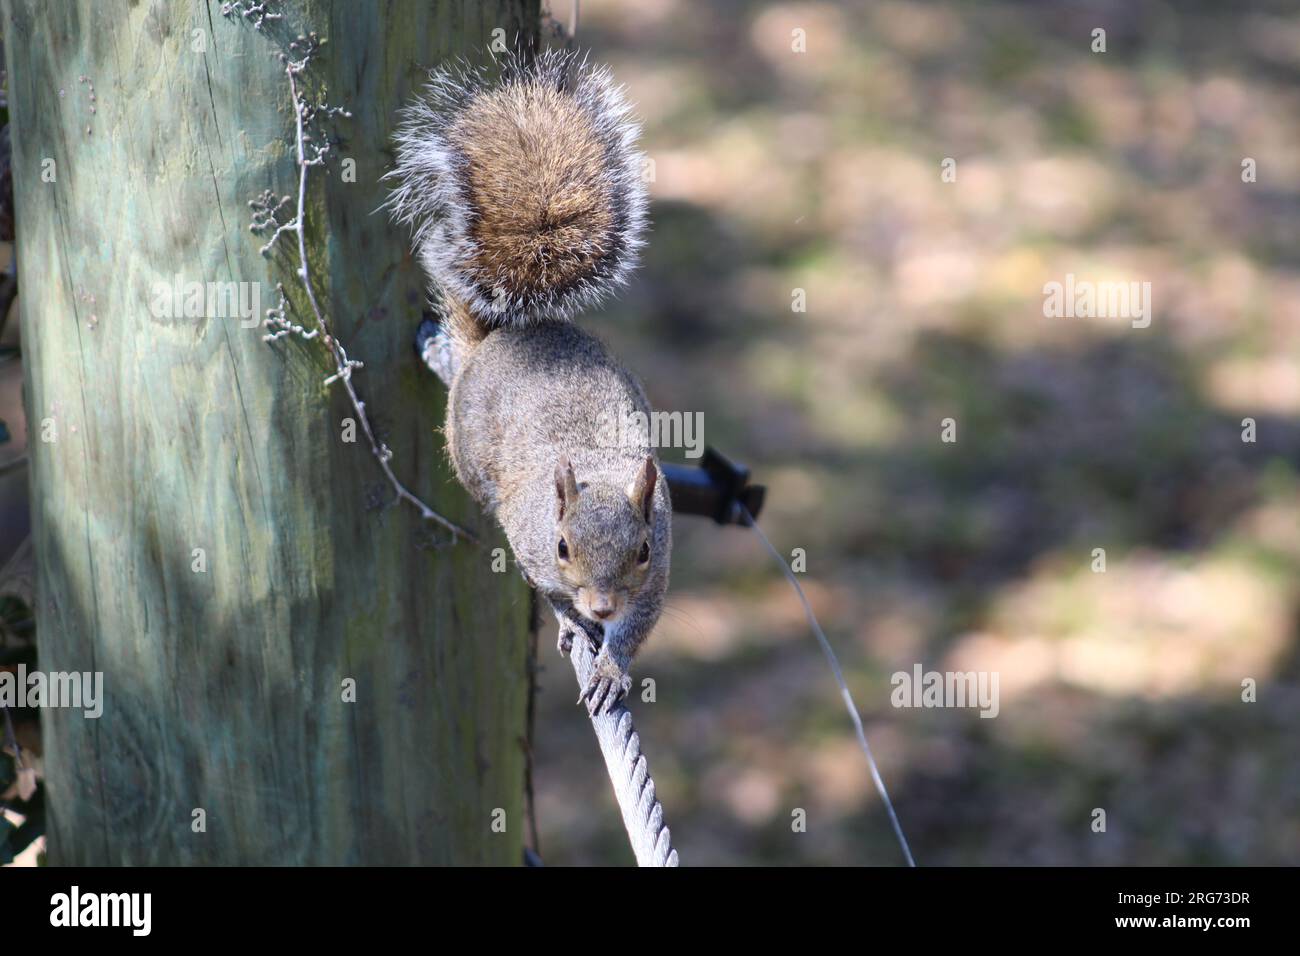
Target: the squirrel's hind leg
(434, 346)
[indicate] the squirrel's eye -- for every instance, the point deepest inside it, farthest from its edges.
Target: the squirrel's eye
(563, 550)
(644, 556)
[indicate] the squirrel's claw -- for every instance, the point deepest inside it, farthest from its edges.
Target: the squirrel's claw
(608, 686)
(597, 696)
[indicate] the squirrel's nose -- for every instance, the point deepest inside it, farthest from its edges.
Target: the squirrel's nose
(602, 605)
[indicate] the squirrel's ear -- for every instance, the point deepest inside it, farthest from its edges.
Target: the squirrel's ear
(566, 485)
(642, 489)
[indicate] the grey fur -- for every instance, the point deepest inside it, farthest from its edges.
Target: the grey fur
(529, 389)
(526, 400)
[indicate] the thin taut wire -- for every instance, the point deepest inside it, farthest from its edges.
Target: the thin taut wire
(839, 676)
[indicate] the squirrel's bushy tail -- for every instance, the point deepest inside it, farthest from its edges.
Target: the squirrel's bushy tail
(525, 193)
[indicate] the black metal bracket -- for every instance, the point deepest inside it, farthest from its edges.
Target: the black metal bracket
(717, 488)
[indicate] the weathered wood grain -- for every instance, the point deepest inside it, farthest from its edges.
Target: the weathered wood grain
(223, 687)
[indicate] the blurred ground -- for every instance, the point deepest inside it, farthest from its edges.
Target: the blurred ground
(821, 171)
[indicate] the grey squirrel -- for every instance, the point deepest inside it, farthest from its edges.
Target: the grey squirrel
(526, 201)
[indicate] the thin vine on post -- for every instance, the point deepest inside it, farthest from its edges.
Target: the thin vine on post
(311, 149)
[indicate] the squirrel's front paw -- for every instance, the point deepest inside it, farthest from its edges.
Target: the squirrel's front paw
(565, 643)
(608, 685)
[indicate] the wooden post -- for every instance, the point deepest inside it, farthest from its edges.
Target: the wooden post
(205, 536)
